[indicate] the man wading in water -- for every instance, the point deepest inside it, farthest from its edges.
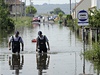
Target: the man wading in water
(41, 43)
(15, 40)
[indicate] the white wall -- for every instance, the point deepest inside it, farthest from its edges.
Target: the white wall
(93, 3)
(84, 5)
(98, 4)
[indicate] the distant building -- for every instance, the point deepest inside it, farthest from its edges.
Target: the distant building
(16, 7)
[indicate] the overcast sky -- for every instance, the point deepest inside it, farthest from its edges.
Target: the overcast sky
(40, 2)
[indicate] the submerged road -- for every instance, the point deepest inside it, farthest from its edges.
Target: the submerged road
(64, 57)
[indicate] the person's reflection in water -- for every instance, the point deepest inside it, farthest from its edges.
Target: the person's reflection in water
(16, 63)
(42, 62)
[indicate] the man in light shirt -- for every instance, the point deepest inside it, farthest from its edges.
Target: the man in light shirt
(42, 41)
(15, 40)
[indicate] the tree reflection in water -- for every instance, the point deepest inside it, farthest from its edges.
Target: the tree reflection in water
(42, 62)
(16, 63)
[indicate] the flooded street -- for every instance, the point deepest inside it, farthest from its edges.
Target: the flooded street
(64, 57)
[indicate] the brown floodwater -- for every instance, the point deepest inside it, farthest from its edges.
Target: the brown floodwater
(64, 57)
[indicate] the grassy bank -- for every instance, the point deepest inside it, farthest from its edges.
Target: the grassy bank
(21, 21)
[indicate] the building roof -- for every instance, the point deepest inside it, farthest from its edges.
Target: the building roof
(78, 4)
(13, 2)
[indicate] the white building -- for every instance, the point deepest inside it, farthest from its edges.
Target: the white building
(82, 5)
(95, 3)
(98, 4)
(85, 4)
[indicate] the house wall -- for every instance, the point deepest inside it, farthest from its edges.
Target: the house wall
(84, 5)
(93, 3)
(98, 4)
(18, 8)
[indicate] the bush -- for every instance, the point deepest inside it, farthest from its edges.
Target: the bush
(94, 53)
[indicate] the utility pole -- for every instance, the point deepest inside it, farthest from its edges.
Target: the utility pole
(70, 7)
(75, 21)
(21, 8)
(75, 9)
(30, 6)
(25, 7)
(16, 9)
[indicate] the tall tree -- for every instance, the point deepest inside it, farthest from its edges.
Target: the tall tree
(58, 10)
(31, 10)
(5, 21)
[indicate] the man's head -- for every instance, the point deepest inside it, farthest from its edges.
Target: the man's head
(16, 33)
(40, 33)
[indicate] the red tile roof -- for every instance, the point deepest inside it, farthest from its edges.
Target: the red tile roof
(13, 1)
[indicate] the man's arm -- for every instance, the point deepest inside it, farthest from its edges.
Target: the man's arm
(37, 45)
(47, 42)
(22, 46)
(21, 41)
(9, 42)
(48, 45)
(9, 45)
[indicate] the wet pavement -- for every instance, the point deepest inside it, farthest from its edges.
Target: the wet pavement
(64, 57)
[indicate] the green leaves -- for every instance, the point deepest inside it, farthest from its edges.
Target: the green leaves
(5, 21)
(94, 53)
(94, 18)
(57, 11)
(31, 10)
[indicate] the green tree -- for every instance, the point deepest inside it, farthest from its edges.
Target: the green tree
(51, 12)
(60, 15)
(31, 10)
(94, 19)
(58, 10)
(69, 17)
(5, 21)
